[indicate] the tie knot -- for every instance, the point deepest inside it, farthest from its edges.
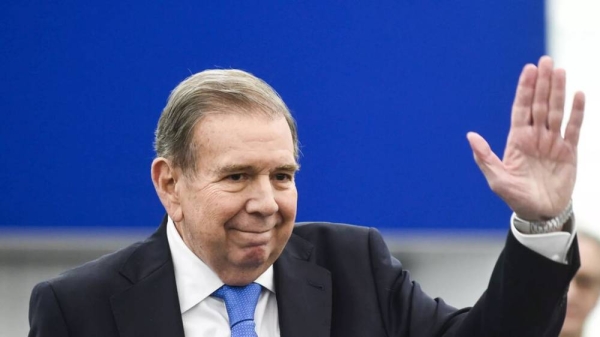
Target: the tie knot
(239, 301)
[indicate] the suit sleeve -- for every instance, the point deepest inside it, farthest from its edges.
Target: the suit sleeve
(526, 296)
(45, 316)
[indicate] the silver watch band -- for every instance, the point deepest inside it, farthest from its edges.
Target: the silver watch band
(539, 227)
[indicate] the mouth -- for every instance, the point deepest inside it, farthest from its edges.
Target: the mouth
(250, 238)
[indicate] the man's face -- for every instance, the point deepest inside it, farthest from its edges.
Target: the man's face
(584, 289)
(238, 210)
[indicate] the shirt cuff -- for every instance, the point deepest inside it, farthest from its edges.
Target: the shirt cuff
(554, 246)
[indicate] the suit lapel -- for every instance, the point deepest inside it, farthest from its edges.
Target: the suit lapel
(303, 292)
(150, 307)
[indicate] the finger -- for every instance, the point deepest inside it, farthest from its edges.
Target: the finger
(486, 159)
(557, 101)
(521, 109)
(539, 110)
(574, 126)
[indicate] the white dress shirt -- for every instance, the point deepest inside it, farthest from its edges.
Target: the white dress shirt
(203, 315)
(554, 246)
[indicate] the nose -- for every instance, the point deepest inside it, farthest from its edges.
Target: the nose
(262, 199)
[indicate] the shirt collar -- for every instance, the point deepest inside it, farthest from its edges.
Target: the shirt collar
(194, 279)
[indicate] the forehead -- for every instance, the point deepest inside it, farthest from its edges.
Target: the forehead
(236, 138)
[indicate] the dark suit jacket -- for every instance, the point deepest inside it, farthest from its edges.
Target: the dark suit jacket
(331, 280)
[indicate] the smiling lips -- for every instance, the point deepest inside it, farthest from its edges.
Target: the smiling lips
(249, 239)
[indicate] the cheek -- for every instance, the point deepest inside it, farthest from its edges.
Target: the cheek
(226, 206)
(212, 205)
(288, 203)
(287, 208)
(205, 214)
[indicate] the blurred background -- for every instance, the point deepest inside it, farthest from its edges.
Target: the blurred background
(383, 92)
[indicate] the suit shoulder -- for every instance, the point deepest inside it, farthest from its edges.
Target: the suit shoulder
(329, 228)
(100, 271)
(336, 234)
(79, 299)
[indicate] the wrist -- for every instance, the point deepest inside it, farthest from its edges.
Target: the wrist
(555, 224)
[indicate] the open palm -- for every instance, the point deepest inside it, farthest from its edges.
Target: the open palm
(536, 176)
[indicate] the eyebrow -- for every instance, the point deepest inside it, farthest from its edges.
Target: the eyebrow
(227, 169)
(288, 167)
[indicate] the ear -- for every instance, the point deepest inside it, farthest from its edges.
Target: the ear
(165, 178)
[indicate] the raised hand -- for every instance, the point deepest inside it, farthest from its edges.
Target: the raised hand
(536, 176)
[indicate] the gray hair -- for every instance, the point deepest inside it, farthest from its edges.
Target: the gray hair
(209, 92)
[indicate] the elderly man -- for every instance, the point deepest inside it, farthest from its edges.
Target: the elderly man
(585, 287)
(228, 260)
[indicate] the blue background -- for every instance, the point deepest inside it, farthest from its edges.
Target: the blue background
(384, 93)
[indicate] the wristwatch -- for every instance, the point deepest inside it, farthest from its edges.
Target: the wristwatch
(540, 227)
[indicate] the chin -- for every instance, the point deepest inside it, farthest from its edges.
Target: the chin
(254, 257)
(246, 269)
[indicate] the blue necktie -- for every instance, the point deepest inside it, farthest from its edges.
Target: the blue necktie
(240, 303)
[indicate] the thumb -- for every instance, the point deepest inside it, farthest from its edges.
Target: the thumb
(488, 162)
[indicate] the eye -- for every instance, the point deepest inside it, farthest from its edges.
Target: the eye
(283, 177)
(236, 177)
